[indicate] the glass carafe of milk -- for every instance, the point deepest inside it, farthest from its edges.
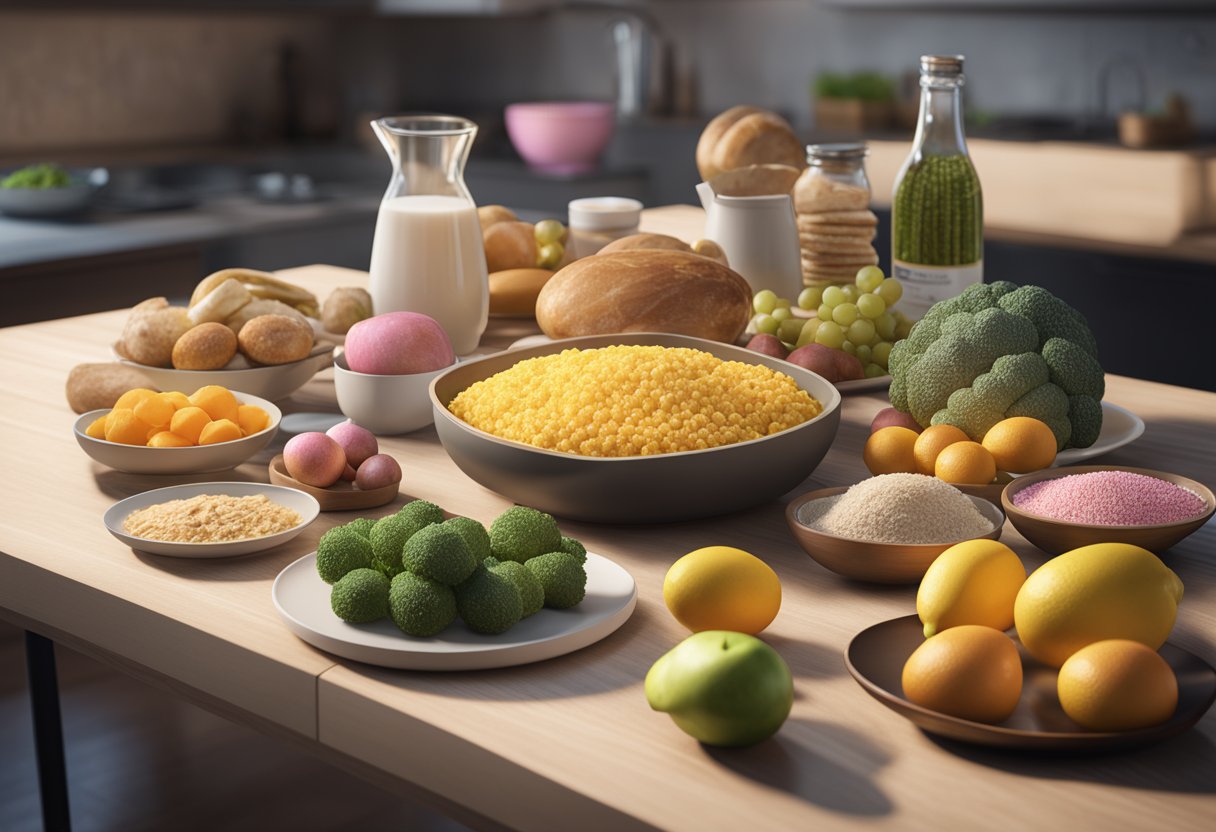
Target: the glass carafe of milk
(427, 255)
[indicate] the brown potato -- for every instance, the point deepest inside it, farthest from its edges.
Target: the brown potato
(510, 245)
(275, 339)
(208, 346)
(152, 330)
(344, 308)
(97, 386)
(818, 359)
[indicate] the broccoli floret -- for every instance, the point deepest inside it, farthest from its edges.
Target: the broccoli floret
(572, 547)
(339, 551)
(420, 513)
(419, 606)
(488, 602)
(387, 539)
(562, 576)
(37, 177)
(362, 526)
(360, 596)
(438, 552)
(475, 535)
(531, 592)
(966, 363)
(520, 533)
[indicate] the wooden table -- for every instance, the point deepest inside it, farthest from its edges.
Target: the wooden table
(569, 743)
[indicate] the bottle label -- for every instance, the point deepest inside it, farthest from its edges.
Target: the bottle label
(926, 285)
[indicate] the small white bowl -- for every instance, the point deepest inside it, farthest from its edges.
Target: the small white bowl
(197, 459)
(272, 381)
(385, 405)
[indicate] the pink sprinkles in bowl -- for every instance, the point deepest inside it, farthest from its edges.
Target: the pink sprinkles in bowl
(1110, 498)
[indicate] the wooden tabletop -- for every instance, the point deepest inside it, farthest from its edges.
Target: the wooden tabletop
(569, 742)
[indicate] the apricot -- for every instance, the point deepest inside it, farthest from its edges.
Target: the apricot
(178, 399)
(252, 419)
(221, 430)
(217, 401)
(97, 429)
(155, 410)
(168, 439)
(125, 427)
(188, 423)
(129, 399)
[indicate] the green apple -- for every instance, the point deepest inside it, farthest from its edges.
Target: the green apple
(722, 688)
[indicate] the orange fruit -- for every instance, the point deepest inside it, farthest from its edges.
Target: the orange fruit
(970, 671)
(217, 401)
(722, 588)
(122, 425)
(97, 428)
(965, 463)
(179, 400)
(165, 439)
(1117, 685)
(221, 430)
(890, 451)
(252, 419)
(931, 442)
(156, 410)
(188, 423)
(132, 397)
(1021, 444)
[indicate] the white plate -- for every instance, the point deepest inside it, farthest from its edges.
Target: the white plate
(297, 501)
(272, 382)
(302, 599)
(1119, 427)
(196, 459)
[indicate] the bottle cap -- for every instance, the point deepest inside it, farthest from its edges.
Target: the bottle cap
(838, 152)
(941, 65)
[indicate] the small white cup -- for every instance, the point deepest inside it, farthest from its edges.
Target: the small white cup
(385, 405)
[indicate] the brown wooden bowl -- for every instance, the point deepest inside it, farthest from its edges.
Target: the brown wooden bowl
(990, 492)
(880, 563)
(341, 496)
(1058, 536)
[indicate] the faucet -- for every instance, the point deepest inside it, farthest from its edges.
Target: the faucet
(643, 59)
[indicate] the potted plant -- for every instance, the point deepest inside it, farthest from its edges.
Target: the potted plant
(854, 103)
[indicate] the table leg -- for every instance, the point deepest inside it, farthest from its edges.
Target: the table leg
(48, 732)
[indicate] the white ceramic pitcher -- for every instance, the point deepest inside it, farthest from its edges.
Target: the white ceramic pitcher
(759, 236)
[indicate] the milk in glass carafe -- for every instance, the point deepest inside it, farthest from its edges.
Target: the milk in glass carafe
(427, 255)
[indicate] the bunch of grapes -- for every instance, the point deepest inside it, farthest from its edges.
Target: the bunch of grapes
(550, 248)
(859, 318)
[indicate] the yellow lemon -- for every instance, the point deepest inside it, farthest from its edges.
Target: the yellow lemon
(974, 582)
(722, 588)
(970, 671)
(1117, 685)
(890, 451)
(1098, 592)
(1021, 444)
(931, 442)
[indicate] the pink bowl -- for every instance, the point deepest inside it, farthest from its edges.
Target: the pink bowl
(560, 136)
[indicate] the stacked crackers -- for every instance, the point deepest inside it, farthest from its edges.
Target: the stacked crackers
(836, 229)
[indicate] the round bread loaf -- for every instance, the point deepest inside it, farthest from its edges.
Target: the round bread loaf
(744, 136)
(647, 241)
(510, 245)
(275, 339)
(207, 346)
(713, 132)
(646, 290)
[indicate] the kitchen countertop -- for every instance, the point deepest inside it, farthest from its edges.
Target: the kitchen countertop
(568, 742)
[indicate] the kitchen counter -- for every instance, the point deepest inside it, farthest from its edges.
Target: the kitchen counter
(569, 742)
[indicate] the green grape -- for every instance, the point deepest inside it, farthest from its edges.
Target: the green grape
(767, 324)
(845, 314)
(824, 313)
(863, 353)
(833, 295)
(869, 278)
(829, 334)
(885, 324)
(807, 335)
(902, 329)
(765, 301)
(782, 313)
(874, 371)
(850, 293)
(549, 231)
(789, 329)
(891, 291)
(880, 353)
(861, 331)
(871, 305)
(849, 347)
(900, 317)
(783, 303)
(550, 255)
(810, 298)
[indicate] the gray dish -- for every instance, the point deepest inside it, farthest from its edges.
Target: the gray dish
(638, 489)
(73, 198)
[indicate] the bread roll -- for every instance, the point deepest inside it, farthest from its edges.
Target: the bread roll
(744, 136)
(645, 290)
(646, 241)
(221, 302)
(262, 306)
(510, 245)
(152, 330)
(713, 132)
(208, 346)
(489, 215)
(514, 291)
(275, 339)
(98, 386)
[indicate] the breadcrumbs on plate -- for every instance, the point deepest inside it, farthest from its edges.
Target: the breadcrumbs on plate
(634, 401)
(211, 518)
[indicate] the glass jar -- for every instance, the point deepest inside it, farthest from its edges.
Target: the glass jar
(835, 225)
(937, 211)
(598, 220)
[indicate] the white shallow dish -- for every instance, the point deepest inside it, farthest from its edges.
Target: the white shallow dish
(197, 459)
(273, 382)
(302, 599)
(1119, 427)
(298, 501)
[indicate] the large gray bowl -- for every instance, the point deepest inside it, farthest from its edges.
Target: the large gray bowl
(637, 489)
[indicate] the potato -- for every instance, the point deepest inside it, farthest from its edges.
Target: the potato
(818, 359)
(767, 345)
(848, 367)
(510, 245)
(890, 417)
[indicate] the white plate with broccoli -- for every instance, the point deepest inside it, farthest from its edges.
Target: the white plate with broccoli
(1119, 427)
(303, 601)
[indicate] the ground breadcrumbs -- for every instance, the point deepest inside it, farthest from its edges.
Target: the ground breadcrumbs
(211, 518)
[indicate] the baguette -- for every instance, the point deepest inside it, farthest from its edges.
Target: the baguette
(647, 290)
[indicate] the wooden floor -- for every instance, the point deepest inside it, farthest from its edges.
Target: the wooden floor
(141, 759)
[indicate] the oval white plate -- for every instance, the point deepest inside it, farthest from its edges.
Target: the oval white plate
(277, 381)
(301, 503)
(1119, 427)
(302, 599)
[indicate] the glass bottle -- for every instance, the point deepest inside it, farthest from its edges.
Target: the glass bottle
(834, 180)
(937, 213)
(427, 255)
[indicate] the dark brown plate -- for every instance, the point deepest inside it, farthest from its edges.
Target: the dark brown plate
(876, 658)
(342, 496)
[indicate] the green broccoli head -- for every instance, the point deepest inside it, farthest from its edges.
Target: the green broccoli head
(362, 526)
(360, 596)
(420, 513)
(996, 351)
(488, 602)
(475, 535)
(572, 547)
(438, 552)
(419, 606)
(520, 533)
(387, 540)
(339, 551)
(562, 576)
(531, 592)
